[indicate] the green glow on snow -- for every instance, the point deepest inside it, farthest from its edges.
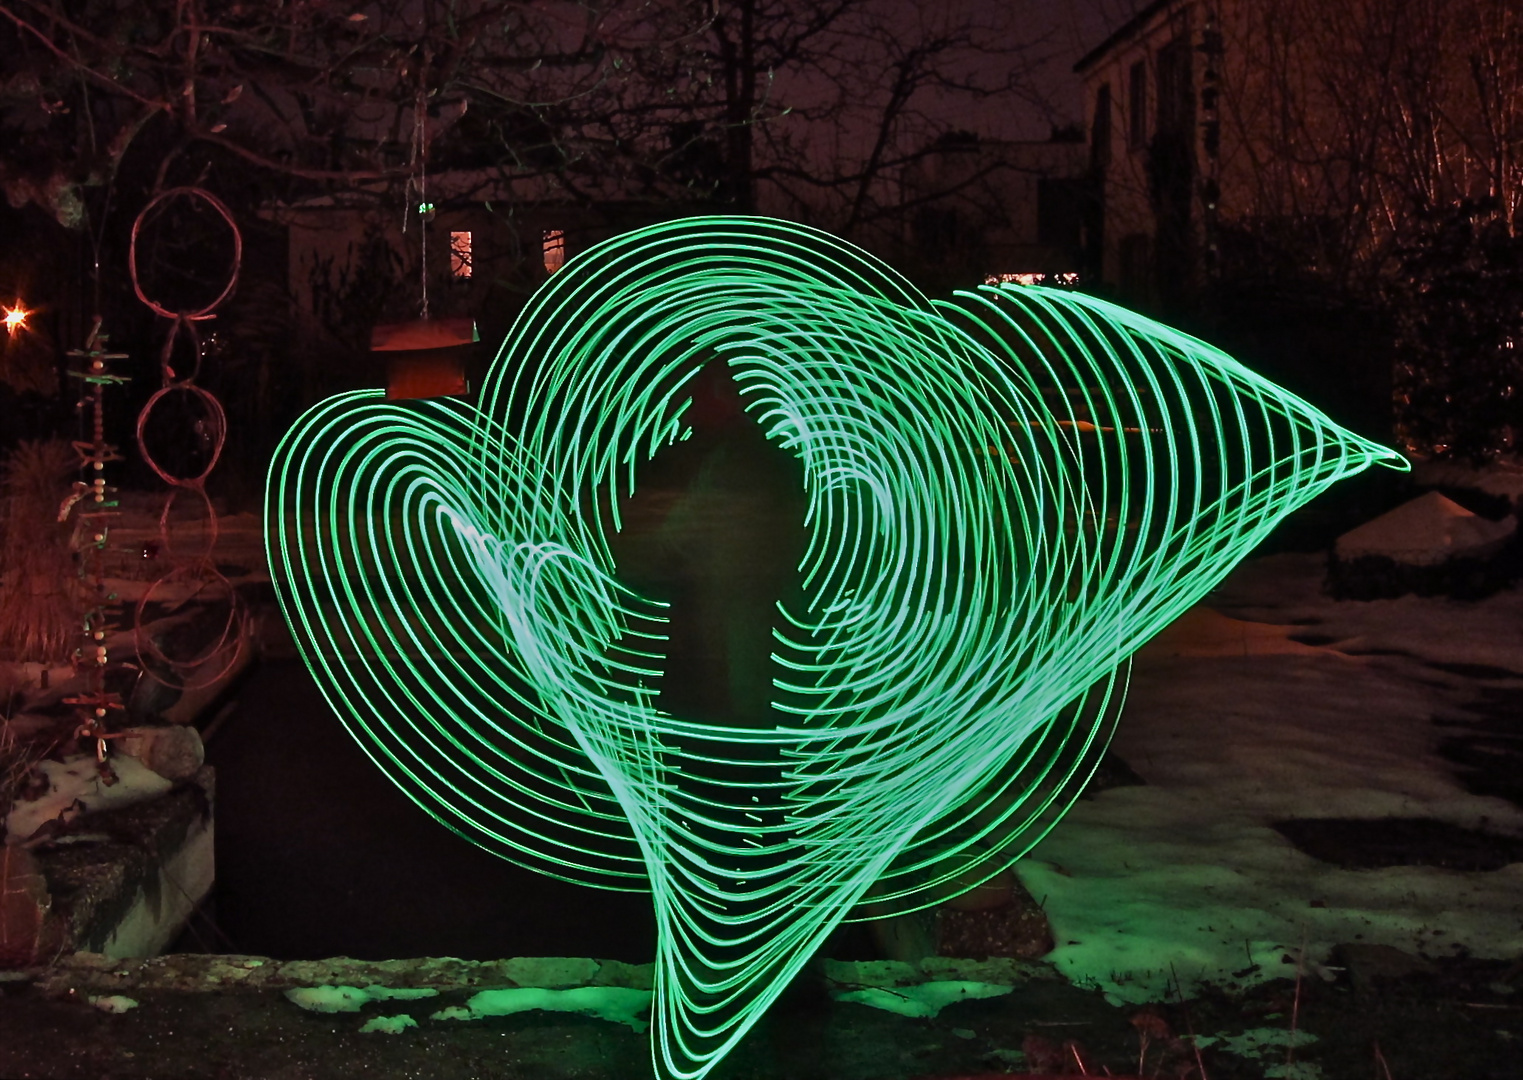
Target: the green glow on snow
(1008, 493)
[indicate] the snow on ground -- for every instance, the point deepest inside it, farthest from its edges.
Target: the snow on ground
(1233, 727)
(75, 787)
(1427, 531)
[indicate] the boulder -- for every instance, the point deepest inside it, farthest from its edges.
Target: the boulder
(28, 930)
(1430, 546)
(174, 751)
(1426, 531)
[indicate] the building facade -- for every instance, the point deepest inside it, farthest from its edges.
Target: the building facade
(1152, 93)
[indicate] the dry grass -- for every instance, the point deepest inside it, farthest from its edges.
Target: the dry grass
(39, 609)
(20, 754)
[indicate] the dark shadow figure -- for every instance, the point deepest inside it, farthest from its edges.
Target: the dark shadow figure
(716, 529)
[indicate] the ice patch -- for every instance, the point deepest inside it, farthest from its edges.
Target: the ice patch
(389, 1025)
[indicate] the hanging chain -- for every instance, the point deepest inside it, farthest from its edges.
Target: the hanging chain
(199, 572)
(96, 703)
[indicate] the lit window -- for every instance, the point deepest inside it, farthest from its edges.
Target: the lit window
(460, 255)
(555, 250)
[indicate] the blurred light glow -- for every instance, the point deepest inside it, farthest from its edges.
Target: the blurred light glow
(1008, 493)
(15, 317)
(1069, 280)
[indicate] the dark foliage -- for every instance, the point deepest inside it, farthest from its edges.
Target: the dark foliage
(1458, 325)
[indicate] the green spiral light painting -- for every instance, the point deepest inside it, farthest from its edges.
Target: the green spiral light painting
(1003, 496)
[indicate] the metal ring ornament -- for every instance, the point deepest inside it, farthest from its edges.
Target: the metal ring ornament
(227, 648)
(166, 371)
(1008, 493)
(237, 262)
(229, 644)
(216, 422)
(210, 535)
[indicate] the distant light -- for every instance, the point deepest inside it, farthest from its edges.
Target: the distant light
(15, 318)
(460, 255)
(1032, 279)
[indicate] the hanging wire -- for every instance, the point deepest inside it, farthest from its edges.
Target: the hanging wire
(417, 187)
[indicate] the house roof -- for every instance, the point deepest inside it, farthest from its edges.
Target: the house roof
(1127, 30)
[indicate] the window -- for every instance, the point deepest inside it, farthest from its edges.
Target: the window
(554, 247)
(1060, 211)
(1136, 266)
(460, 255)
(1100, 132)
(1176, 113)
(1137, 106)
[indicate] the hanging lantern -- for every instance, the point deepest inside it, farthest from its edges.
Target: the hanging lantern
(425, 357)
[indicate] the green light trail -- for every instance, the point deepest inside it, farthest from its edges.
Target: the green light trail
(1008, 493)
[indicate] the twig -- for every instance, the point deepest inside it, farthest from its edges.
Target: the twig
(1200, 1062)
(1074, 1050)
(1295, 1007)
(1380, 1059)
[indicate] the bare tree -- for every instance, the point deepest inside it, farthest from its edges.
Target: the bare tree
(1354, 123)
(1373, 161)
(315, 93)
(813, 110)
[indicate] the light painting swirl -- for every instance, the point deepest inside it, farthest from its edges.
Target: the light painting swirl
(1006, 494)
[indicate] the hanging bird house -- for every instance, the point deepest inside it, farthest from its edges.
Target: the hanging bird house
(426, 357)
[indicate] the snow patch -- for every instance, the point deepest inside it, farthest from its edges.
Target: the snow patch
(75, 780)
(924, 1000)
(614, 1003)
(113, 1003)
(1425, 532)
(1154, 889)
(337, 999)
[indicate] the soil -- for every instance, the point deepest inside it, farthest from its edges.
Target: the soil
(1454, 1019)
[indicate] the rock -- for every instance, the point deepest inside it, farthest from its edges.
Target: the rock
(174, 752)
(629, 976)
(907, 938)
(882, 973)
(1368, 964)
(552, 972)
(969, 889)
(28, 931)
(1426, 531)
(1430, 546)
(1016, 929)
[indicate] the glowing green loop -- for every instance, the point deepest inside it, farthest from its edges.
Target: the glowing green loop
(1008, 493)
